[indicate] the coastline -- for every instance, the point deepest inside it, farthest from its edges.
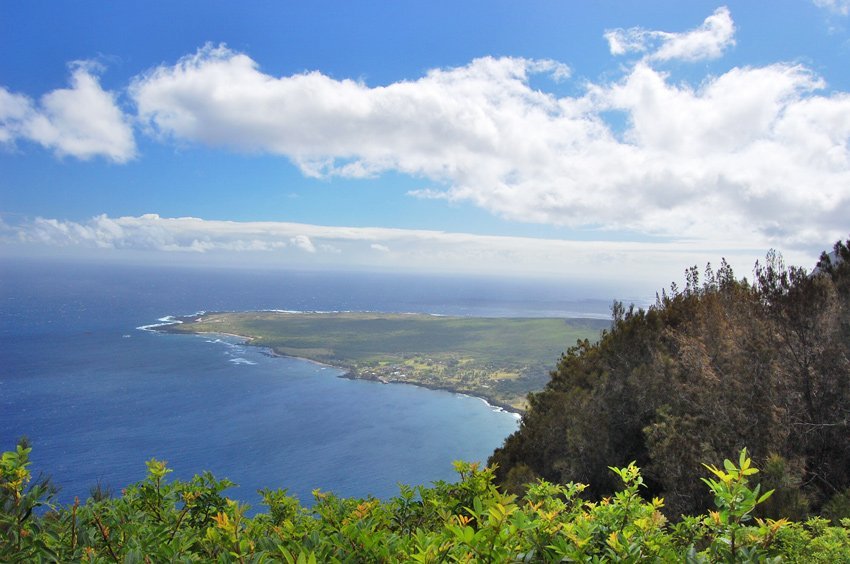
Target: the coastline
(494, 404)
(168, 323)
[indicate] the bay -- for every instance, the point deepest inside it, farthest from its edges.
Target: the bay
(97, 396)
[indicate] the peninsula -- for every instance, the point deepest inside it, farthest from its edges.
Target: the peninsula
(498, 359)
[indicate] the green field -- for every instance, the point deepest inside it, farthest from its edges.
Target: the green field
(499, 359)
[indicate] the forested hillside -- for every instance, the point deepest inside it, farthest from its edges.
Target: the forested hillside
(718, 365)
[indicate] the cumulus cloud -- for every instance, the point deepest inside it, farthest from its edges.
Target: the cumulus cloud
(83, 121)
(335, 247)
(341, 127)
(755, 153)
(708, 41)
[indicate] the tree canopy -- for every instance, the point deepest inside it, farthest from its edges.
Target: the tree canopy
(708, 369)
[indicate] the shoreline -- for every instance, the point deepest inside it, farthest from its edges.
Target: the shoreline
(498, 406)
(345, 372)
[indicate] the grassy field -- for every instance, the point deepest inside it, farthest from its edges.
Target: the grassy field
(499, 359)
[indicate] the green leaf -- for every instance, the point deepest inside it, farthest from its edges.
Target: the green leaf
(743, 461)
(766, 495)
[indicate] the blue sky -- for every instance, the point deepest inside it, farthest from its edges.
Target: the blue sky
(583, 140)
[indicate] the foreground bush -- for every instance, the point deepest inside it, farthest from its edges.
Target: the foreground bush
(469, 521)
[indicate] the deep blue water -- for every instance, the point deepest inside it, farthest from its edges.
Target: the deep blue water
(97, 396)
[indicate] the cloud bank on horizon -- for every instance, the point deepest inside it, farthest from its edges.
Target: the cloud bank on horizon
(756, 156)
(296, 244)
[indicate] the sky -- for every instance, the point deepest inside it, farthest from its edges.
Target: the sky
(598, 142)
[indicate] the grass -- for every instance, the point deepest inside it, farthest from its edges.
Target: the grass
(499, 359)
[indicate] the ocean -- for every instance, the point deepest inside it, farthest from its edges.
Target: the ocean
(98, 393)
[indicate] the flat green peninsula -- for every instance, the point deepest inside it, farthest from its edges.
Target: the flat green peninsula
(497, 359)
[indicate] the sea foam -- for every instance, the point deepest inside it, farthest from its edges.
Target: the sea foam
(163, 322)
(240, 360)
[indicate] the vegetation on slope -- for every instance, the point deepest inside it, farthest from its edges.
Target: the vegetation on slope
(709, 369)
(499, 359)
(468, 521)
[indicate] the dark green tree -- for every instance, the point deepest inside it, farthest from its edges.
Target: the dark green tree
(709, 369)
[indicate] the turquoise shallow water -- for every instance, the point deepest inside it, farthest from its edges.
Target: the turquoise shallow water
(98, 397)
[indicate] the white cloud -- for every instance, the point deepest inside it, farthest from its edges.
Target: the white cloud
(708, 41)
(304, 243)
(278, 243)
(840, 7)
(757, 154)
(327, 248)
(14, 109)
(340, 127)
(82, 121)
(147, 232)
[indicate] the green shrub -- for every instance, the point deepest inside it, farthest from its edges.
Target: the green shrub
(470, 520)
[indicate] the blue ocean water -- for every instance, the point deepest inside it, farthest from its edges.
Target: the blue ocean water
(97, 396)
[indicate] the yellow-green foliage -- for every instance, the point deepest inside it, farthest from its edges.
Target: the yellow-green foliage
(470, 520)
